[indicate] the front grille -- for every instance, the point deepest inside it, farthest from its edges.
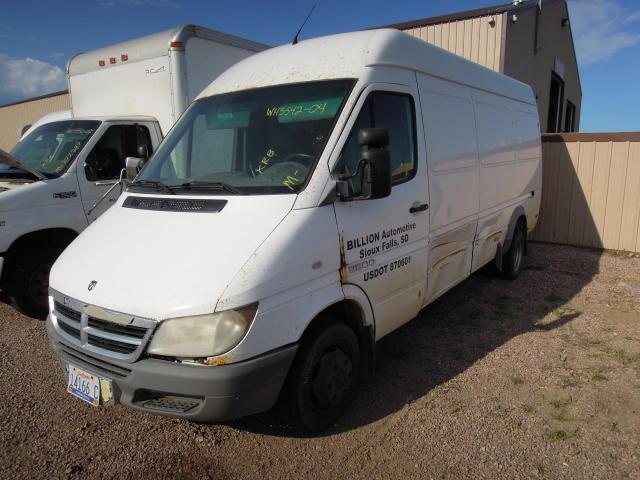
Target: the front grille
(111, 345)
(69, 330)
(122, 337)
(86, 362)
(67, 312)
(128, 330)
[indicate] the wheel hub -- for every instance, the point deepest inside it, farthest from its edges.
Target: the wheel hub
(332, 381)
(39, 285)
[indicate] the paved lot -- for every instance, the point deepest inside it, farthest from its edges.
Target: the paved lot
(537, 378)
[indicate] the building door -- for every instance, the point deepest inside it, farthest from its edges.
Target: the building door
(556, 100)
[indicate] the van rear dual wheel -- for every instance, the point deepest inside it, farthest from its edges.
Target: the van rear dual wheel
(323, 379)
(30, 281)
(513, 259)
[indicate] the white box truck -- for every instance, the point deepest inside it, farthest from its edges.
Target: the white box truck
(312, 199)
(124, 98)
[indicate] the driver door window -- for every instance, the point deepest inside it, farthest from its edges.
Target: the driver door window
(392, 111)
(107, 158)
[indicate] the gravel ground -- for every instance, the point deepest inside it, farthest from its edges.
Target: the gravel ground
(537, 378)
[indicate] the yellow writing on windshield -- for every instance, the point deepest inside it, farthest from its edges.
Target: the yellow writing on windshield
(291, 181)
(264, 161)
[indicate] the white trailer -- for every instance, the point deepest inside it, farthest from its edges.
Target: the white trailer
(312, 200)
(124, 98)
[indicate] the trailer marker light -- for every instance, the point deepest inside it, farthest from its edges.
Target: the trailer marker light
(112, 60)
(124, 57)
(176, 45)
(101, 63)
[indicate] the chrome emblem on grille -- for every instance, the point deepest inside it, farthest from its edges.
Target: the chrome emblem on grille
(66, 301)
(92, 285)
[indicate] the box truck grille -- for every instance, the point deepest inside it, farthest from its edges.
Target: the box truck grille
(174, 205)
(100, 337)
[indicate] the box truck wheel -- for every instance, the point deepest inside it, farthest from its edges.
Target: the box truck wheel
(30, 283)
(323, 378)
(512, 260)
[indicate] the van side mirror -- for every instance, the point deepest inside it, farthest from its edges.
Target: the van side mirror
(376, 178)
(132, 167)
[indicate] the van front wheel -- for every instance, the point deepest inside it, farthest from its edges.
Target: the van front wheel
(323, 379)
(513, 259)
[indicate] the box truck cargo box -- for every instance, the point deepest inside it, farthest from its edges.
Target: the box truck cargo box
(124, 98)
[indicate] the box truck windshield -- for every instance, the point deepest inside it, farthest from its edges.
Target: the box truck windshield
(52, 147)
(257, 141)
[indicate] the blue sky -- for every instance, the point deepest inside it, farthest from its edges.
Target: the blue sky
(38, 36)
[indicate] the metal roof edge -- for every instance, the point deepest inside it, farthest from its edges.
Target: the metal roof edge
(40, 97)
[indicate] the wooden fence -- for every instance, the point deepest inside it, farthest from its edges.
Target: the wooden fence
(591, 190)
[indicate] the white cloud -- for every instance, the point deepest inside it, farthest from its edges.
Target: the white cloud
(27, 77)
(601, 28)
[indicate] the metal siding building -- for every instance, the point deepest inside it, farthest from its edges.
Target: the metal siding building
(530, 41)
(14, 117)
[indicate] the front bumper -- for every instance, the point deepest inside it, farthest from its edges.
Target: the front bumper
(192, 392)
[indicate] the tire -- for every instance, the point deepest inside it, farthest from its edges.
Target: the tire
(513, 259)
(323, 380)
(30, 281)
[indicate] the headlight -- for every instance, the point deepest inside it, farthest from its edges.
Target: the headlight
(202, 335)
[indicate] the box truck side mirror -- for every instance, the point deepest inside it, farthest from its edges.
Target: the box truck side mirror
(143, 152)
(133, 166)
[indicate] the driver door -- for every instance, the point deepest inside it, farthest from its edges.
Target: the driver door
(385, 240)
(101, 167)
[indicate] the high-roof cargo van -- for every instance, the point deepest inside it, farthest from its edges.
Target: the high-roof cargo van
(124, 98)
(314, 198)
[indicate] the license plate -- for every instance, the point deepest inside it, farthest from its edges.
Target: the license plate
(84, 385)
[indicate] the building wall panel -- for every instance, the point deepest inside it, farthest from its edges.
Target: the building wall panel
(477, 39)
(591, 191)
(13, 118)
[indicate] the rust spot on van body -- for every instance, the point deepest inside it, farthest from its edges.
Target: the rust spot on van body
(343, 261)
(215, 361)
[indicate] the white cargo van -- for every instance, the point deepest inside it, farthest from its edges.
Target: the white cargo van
(124, 98)
(312, 199)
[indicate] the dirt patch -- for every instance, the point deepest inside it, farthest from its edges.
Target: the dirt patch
(536, 378)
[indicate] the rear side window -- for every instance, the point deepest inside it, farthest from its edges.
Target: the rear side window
(396, 113)
(107, 158)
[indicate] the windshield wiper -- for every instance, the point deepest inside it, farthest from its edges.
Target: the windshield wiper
(153, 183)
(205, 185)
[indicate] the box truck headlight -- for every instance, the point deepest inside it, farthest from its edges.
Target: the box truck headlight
(202, 335)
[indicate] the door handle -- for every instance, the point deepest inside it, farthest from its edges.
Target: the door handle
(419, 208)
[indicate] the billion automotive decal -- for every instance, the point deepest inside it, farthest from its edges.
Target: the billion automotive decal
(380, 241)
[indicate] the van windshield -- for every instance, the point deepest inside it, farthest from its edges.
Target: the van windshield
(51, 147)
(258, 141)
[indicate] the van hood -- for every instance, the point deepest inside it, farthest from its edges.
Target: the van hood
(165, 264)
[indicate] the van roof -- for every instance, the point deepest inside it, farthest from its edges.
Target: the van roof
(346, 55)
(154, 45)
